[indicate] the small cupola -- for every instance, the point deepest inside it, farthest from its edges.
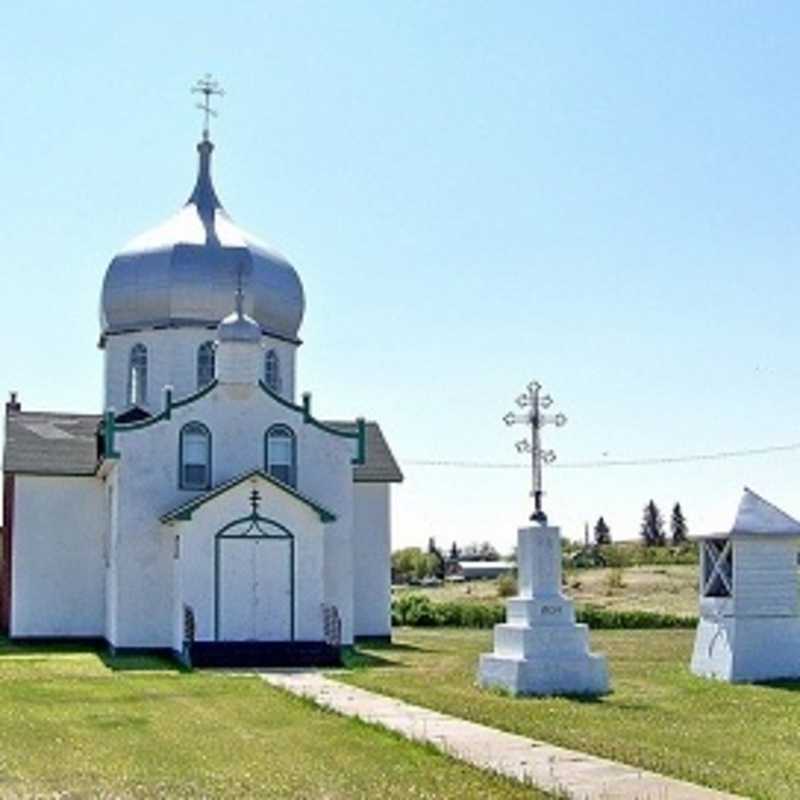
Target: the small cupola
(239, 350)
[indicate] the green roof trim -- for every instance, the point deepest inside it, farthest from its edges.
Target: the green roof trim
(305, 410)
(185, 511)
(167, 412)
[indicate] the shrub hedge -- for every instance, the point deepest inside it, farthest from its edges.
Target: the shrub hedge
(635, 555)
(417, 610)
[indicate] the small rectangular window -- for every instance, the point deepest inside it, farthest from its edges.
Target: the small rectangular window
(195, 470)
(281, 455)
(717, 568)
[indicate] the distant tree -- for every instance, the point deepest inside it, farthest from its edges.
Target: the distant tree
(652, 530)
(412, 563)
(678, 526)
(470, 552)
(602, 533)
(437, 557)
(485, 551)
(455, 553)
(488, 552)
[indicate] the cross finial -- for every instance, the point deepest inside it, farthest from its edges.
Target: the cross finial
(208, 88)
(255, 499)
(239, 292)
(533, 405)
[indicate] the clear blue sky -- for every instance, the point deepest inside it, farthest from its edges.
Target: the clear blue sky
(601, 195)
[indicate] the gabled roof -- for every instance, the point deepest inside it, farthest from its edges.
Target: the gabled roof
(53, 443)
(48, 443)
(380, 465)
(756, 515)
(185, 511)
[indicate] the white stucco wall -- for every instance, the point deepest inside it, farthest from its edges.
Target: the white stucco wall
(372, 553)
(172, 360)
(765, 580)
(237, 415)
(58, 574)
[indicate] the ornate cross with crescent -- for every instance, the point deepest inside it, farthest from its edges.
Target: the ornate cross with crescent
(208, 88)
(534, 405)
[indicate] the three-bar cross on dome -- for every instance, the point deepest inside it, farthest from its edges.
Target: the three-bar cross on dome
(183, 273)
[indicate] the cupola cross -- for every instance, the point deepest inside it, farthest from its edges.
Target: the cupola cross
(208, 88)
(533, 405)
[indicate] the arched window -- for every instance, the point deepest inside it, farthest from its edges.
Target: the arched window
(195, 455)
(137, 375)
(272, 371)
(205, 364)
(281, 454)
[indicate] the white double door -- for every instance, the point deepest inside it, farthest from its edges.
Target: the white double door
(255, 585)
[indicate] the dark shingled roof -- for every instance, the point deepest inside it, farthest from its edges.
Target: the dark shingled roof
(45, 443)
(381, 466)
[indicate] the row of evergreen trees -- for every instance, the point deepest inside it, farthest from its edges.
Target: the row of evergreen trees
(653, 530)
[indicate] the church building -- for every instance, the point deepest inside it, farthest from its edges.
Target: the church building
(206, 512)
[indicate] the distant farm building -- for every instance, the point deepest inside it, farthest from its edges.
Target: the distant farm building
(484, 570)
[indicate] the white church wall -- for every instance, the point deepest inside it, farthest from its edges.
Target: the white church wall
(172, 360)
(143, 574)
(326, 463)
(58, 570)
(197, 555)
(372, 560)
(177, 591)
(110, 555)
(238, 417)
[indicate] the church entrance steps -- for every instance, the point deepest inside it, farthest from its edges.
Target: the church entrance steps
(264, 654)
(565, 773)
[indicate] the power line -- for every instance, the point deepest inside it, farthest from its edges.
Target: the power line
(634, 462)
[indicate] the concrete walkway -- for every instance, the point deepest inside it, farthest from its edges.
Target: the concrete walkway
(565, 773)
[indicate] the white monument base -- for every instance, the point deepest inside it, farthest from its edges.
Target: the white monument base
(540, 650)
(742, 650)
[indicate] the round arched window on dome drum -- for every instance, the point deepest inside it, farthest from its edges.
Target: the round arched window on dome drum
(195, 456)
(272, 371)
(206, 364)
(137, 375)
(280, 458)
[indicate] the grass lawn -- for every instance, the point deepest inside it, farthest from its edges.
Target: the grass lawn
(73, 724)
(670, 589)
(744, 739)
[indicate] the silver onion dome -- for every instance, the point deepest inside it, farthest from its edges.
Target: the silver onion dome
(184, 272)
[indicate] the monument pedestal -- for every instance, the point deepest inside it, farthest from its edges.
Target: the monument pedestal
(540, 650)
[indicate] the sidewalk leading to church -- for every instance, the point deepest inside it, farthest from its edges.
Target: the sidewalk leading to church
(566, 773)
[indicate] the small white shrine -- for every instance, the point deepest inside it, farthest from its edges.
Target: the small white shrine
(540, 650)
(749, 627)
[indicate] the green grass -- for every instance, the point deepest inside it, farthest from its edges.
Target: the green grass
(744, 739)
(75, 724)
